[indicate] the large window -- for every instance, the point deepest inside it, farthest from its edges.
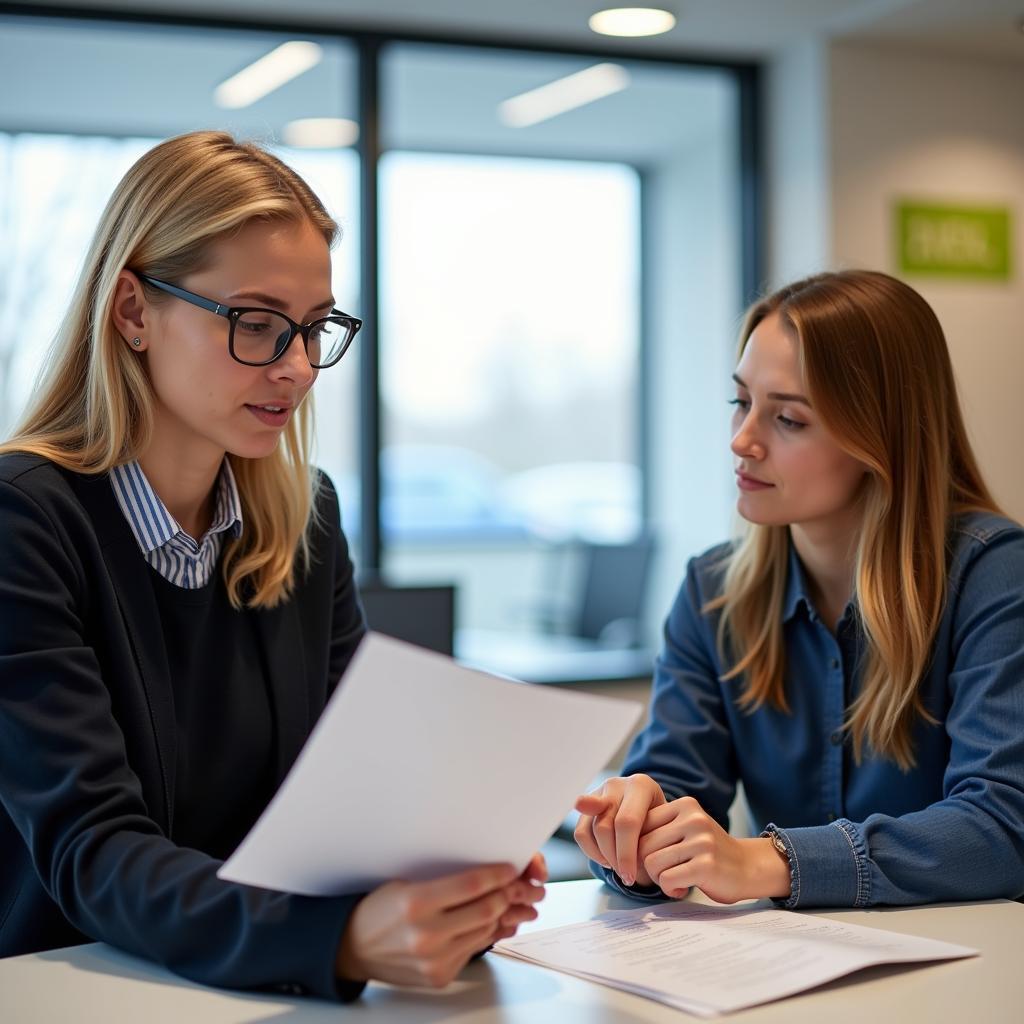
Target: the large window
(509, 362)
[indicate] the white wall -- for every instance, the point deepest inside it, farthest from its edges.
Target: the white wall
(849, 129)
(796, 143)
(906, 124)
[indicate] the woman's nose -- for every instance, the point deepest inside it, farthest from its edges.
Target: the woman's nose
(294, 364)
(745, 441)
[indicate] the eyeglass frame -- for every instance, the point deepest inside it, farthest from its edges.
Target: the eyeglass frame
(233, 313)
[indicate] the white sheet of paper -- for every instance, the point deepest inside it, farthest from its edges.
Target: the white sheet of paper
(712, 960)
(419, 767)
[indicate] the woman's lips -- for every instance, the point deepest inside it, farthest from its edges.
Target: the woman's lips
(272, 419)
(749, 483)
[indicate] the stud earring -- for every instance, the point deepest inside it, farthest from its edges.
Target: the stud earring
(136, 342)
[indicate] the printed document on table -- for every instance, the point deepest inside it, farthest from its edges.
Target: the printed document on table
(419, 767)
(712, 960)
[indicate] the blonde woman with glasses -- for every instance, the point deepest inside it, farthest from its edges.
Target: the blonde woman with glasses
(177, 601)
(856, 659)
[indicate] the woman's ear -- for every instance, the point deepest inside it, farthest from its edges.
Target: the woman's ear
(130, 310)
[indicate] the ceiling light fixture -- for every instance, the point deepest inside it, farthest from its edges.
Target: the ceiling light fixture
(563, 94)
(632, 21)
(320, 133)
(270, 72)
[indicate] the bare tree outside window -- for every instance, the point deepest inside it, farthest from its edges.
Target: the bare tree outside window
(52, 191)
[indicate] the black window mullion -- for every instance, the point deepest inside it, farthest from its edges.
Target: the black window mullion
(751, 198)
(368, 99)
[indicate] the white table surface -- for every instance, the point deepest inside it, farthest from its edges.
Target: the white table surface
(561, 660)
(97, 984)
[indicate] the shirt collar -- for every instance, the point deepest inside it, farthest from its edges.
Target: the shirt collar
(797, 590)
(227, 513)
(150, 521)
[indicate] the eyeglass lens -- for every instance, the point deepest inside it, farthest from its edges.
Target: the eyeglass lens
(260, 336)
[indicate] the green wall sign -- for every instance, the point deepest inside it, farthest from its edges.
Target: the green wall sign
(945, 240)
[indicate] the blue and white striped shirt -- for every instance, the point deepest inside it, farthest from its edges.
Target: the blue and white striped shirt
(165, 545)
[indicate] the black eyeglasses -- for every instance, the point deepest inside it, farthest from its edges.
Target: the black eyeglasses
(258, 337)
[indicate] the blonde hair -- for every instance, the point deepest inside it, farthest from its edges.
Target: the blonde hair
(878, 373)
(94, 407)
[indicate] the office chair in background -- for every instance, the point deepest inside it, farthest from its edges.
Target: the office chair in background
(421, 614)
(608, 594)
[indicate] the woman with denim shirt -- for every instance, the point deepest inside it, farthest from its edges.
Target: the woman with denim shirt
(856, 659)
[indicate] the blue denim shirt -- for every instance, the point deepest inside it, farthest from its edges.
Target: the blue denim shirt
(951, 828)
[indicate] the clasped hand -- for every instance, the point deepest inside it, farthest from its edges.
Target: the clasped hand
(628, 825)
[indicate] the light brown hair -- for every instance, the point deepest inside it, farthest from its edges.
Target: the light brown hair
(878, 373)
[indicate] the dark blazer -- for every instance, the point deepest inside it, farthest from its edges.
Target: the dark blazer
(87, 745)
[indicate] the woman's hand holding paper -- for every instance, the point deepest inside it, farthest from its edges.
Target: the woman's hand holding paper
(523, 893)
(424, 933)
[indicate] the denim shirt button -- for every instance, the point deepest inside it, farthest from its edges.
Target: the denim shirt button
(834, 664)
(830, 816)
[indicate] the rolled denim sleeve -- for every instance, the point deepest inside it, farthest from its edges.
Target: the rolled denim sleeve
(969, 844)
(827, 865)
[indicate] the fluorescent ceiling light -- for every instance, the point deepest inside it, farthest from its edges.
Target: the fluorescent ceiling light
(321, 132)
(564, 94)
(632, 21)
(270, 72)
